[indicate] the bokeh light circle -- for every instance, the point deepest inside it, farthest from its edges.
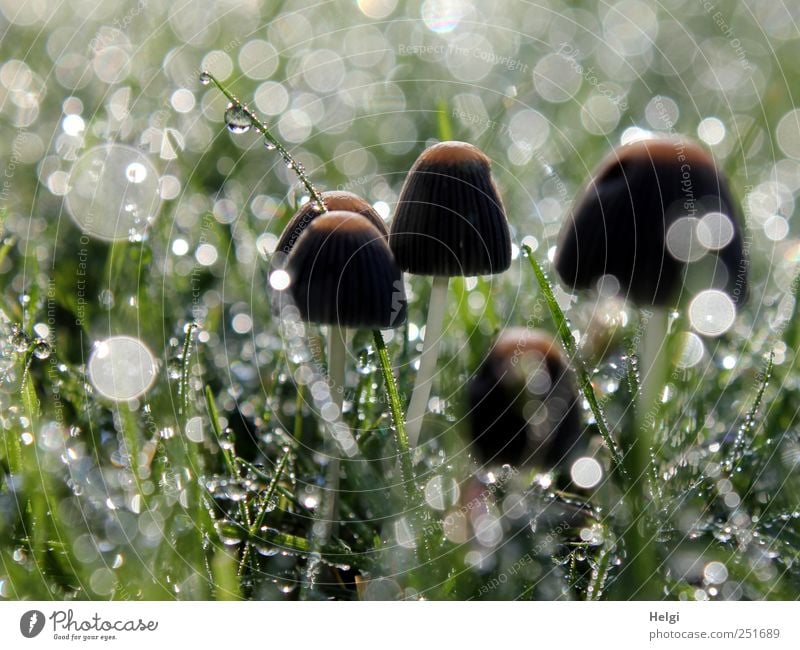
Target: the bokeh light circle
(113, 192)
(121, 368)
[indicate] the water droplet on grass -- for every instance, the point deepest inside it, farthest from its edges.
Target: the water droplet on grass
(366, 361)
(42, 350)
(237, 118)
(205, 78)
(229, 532)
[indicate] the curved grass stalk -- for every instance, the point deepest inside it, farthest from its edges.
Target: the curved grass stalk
(274, 143)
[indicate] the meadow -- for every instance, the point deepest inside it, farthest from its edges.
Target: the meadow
(168, 430)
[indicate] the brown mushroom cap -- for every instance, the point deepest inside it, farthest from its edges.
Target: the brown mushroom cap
(619, 225)
(450, 220)
(342, 273)
(523, 403)
(335, 201)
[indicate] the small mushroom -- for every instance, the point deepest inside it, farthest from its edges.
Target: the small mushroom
(449, 222)
(524, 408)
(640, 220)
(342, 274)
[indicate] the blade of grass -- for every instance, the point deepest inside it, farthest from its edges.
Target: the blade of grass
(400, 436)
(743, 435)
(266, 500)
(571, 347)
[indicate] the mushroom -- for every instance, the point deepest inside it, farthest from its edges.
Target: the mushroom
(342, 274)
(642, 220)
(523, 403)
(654, 207)
(449, 222)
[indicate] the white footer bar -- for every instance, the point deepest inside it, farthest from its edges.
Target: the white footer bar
(329, 625)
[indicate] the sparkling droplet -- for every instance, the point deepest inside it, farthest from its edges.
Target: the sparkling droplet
(205, 78)
(237, 119)
(42, 349)
(586, 472)
(270, 146)
(279, 280)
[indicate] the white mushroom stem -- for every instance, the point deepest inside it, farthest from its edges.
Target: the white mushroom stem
(337, 337)
(427, 360)
(653, 360)
(652, 366)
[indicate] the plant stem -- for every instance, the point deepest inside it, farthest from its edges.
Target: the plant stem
(427, 360)
(268, 496)
(640, 573)
(336, 363)
(652, 363)
(259, 126)
(400, 436)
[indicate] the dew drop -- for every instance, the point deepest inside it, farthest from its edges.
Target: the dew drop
(279, 280)
(205, 78)
(237, 118)
(42, 349)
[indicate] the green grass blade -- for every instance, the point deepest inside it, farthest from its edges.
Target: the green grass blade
(571, 347)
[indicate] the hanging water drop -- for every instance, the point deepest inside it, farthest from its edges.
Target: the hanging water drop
(237, 118)
(42, 349)
(205, 78)
(269, 146)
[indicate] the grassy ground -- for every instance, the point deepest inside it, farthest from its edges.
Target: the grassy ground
(212, 483)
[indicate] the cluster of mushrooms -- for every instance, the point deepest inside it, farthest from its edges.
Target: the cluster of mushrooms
(345, 271)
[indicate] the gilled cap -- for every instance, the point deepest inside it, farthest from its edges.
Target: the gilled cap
(334, 201)
(342, 272)
(622, 224)
(450, 220)
(523, 403)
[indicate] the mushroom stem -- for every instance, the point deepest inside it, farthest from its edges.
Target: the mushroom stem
(337, 336)
(652, 363)
(428, 358)
(652, 370)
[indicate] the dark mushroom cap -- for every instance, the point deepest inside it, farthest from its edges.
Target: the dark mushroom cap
(523, 403)
(334, 201)
(342, 272)
(620, 224)
(450, 219)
